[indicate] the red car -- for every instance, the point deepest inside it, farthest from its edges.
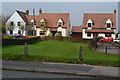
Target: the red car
(107, 39)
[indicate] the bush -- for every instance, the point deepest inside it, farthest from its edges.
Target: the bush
(57, 34)
(7, 37)
(50, 34)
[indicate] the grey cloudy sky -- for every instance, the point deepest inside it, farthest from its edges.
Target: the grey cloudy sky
(76, 9)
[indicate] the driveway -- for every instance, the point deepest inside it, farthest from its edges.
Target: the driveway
(111, 48)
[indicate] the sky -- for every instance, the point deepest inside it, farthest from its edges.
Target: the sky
(76, 9)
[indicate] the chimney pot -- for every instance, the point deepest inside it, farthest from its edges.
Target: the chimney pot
(27, 12)
(40, 11)
(115, 11)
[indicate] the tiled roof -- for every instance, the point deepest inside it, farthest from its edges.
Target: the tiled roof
(76, 29)
(53, 29)
(22, 14)
(50, 18)
(100, 31)
(99, 19)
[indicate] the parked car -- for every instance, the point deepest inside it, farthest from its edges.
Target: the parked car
(20, 37)
(116, 40)
(107, 39)
(97, 38)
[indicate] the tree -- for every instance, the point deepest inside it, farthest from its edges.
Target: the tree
(3, 20)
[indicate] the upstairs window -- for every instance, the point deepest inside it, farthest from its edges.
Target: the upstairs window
(18, 23)
(12, 23)
(60, 23)
(89, 23)
(108, 23)
(42, 22)
(32, 22)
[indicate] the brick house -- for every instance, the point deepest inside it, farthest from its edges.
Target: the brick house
(39, 25)
(96, 24)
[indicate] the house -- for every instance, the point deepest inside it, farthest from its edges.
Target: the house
(38, 25)
(96, 24)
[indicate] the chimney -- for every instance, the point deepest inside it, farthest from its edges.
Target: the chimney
(40, 11)
(115, 11)
(27, 12)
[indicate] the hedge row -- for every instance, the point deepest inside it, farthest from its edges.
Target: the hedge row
(61, 38)
(6, 42)
(31, 40)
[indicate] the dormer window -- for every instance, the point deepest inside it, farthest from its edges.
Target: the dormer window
(42, 22)
(60, 23)
(89, 23)
(32, 21)
(108, 23)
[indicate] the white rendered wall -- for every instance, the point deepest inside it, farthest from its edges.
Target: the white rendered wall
(16, 18)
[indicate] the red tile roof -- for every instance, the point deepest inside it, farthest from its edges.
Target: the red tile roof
(50, 18)
(53, 29)
(100, 31)
(99, 19)
(76, 29)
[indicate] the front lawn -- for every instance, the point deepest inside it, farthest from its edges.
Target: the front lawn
(59, 51)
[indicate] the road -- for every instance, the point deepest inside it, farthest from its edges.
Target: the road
(60, 68)
(22, 74)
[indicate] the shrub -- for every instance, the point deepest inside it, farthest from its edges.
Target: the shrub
(57, 34)
(50, 34)
(7, 37)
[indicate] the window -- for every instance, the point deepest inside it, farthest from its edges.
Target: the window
(60, 23)
(11, 32)
(89, 25)
(42, 22)
(12, 23)
(42, 32)
(107, 35)
(89, 34)
(108, 25)
(18, 23)
(19, 31)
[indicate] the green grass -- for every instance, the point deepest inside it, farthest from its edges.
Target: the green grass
(59, 51)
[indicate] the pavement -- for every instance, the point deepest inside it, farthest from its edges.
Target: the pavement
(111, 48)
(62, 68)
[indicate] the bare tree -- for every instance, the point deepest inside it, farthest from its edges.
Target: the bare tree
(3, 23)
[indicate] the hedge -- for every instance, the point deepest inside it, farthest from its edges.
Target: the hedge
(61, 38)
(6, 42)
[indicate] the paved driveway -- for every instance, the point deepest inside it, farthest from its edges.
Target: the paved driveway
(111, 48)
